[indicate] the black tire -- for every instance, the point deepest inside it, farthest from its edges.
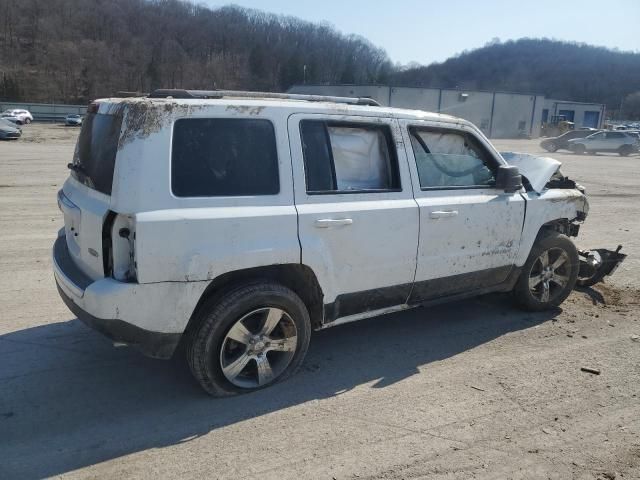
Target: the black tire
(217, 317)
(579, 149)
(551, 147)
(625, 150)
(27, 121)
(532, 298)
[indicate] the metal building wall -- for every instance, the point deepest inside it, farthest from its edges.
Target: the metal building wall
(379, 93)
(427, 99)
(473, 106)
(497, 114)
(579, 109)
(515, 115)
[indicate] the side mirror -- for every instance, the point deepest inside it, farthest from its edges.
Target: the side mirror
(508, 178)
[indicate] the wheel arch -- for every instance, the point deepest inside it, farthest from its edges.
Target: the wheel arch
(300, 278)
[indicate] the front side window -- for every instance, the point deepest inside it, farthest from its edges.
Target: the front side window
(447, 158)
(224, 157)
(348, 157)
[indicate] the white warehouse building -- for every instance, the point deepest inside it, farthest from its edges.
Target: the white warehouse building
(497, 114)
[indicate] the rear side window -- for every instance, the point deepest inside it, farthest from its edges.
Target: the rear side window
(615, 135)
(447, 158)
(348, 157)
(95, 156)
(224, 157)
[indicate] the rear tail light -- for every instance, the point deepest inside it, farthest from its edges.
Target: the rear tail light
(119, 240)
(93, 107)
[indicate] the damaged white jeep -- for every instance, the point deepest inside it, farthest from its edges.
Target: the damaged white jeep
(237, 223)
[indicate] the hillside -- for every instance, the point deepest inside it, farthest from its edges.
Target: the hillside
(75, 50)
(557, 69)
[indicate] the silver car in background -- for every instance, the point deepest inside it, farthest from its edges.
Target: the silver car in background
(623, 143)
(9, 130)
(73, 120)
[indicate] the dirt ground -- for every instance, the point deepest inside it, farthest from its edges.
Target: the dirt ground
(475, 389)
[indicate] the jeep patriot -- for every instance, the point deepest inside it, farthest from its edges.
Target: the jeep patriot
(236, 223)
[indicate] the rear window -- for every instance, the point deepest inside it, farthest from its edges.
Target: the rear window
(95, 156)
(224, 157)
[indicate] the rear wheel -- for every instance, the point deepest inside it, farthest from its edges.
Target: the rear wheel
(549, 274)
(254, 336)
(625, 150)
(27, 121)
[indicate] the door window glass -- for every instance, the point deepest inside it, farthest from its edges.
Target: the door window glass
(348, 157)
(447, 158)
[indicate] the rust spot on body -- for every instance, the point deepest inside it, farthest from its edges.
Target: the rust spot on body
(245, 109)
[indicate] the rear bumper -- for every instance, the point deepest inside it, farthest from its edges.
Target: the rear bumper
(151, 344)
(150, 317)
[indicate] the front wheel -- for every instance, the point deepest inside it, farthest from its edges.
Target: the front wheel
(549, 274)
(579, 149)
(551, 147)
(252, 337)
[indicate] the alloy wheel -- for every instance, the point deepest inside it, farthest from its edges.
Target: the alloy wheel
(258, 347)
(549, 275)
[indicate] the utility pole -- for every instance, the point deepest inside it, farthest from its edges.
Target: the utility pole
(304, 74)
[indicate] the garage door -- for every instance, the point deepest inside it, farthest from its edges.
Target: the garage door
(591, 119)
(567, 114)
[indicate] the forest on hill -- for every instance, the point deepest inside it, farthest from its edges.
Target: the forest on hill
(76, 50)
(72, 51)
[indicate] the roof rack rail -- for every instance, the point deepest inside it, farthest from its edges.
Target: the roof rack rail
(178, 93)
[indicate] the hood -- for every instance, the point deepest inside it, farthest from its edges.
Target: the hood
(7, 127)
(537, 170)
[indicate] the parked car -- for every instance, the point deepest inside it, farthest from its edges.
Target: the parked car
(9, 130)
(611, 141)
(73, 120)
(237, 223)
(562, 142)
(23, 116)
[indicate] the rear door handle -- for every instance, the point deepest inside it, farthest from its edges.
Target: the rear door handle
(443, 214)
(333, 222)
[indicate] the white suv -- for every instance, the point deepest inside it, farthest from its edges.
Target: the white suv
(237, 223)
(21, 116)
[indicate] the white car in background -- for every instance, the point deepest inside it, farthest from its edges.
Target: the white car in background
(22, 116)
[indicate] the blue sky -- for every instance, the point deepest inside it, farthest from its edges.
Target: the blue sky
(427, 31)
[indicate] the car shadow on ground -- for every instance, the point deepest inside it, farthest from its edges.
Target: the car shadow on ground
(68, 399)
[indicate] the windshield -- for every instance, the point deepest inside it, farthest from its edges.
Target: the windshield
(6, 123)
(95, 156)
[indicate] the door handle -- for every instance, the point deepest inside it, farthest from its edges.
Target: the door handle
(333, 222)
(443, 214)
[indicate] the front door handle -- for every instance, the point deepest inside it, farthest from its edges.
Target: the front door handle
(443, 214)
(333, 222)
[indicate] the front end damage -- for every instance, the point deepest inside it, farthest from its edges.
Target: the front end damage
(598, 263)
(542, 175)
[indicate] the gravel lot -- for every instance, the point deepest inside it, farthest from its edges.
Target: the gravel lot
(475, 389)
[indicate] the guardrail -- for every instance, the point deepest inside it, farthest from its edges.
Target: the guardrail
(46, 112)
